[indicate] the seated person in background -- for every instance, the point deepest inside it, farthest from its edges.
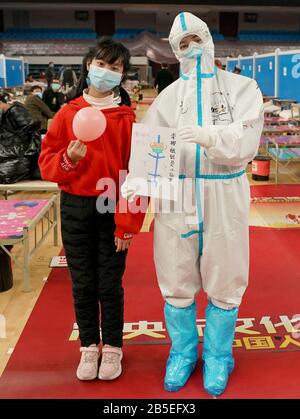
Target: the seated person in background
(53, 97)
(30, 82)
(38, 108)
(237, 69)
(20, 142)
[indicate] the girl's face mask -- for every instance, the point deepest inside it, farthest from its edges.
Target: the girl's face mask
(194, 50)
(103, 79)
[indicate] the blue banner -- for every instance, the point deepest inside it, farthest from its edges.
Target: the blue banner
(289, 76)
(14, 71)
(288, 73)
(265, 74)
(231, 64)
(246, 65)
(2, 71)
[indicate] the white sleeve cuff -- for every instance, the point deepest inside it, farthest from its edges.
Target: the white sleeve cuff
(208, 137)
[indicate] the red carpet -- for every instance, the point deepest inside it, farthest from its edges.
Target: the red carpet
(275, 190)
(267, 354)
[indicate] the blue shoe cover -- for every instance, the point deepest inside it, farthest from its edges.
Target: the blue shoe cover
(178, 371)
(182, 329)
(217, 348)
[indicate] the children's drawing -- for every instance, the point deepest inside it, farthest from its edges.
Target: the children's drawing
(155, 157)
(157, 149)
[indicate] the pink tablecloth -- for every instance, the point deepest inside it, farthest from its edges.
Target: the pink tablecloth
(270, 120)
(16, 214)
(281, 140)
(280, 129)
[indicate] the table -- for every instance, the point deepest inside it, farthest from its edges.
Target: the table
(275, 120)
(18, 218)
(281, 129)
(284, 103)
(282, 148)
(29, 185)
(268, 98)
(282, 140)
(295, 109)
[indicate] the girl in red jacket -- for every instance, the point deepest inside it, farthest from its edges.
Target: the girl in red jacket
(95, 243)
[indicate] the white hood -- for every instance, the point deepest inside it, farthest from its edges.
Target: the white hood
(187, 24)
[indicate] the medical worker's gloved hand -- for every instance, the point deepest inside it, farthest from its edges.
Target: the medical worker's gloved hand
(195, 134)
(129, 189)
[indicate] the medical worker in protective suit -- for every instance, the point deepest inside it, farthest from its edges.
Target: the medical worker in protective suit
(219, 116)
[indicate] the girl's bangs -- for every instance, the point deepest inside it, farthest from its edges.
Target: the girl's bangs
(110, 55)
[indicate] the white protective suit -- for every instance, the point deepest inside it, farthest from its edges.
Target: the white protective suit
(213, 252)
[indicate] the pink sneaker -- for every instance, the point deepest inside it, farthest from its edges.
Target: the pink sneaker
(88, 366)
(110, 367)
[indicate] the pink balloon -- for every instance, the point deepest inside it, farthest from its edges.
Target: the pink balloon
(89, 124)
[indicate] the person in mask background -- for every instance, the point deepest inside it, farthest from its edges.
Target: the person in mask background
(95, 241)
(37, 107)
(50, 72)
(30, 81)
(219, 116)
(53, 97)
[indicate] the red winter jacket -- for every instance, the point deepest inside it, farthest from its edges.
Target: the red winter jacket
(104, 158)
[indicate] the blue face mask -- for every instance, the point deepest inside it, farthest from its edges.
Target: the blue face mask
(38, 94)
(194, 50)
(103, 79)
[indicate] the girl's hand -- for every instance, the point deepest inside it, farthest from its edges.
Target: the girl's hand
(76, 151)
(122, 245)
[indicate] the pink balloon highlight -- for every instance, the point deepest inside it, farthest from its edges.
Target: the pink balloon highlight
(89, 124)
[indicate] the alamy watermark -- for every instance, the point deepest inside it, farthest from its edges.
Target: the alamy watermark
(177, 196)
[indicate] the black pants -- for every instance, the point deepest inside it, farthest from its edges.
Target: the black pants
(96, 269)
